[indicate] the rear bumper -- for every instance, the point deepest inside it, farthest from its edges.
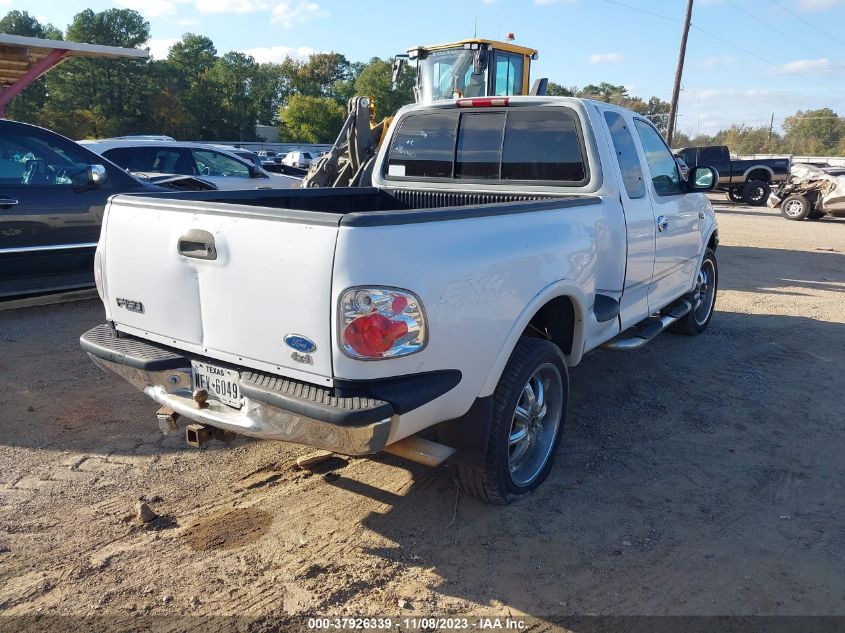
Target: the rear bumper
(353, 419)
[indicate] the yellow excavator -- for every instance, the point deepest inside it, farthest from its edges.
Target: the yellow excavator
(464, 69)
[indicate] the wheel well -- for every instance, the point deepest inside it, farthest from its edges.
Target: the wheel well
(554, 322)
(759, 174)
(713, 242)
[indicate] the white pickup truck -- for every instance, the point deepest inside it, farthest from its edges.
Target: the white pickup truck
(435, 314)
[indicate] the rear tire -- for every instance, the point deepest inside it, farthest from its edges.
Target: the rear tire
(703, 298)
(529, 409)
(795, 207)
(756, 192)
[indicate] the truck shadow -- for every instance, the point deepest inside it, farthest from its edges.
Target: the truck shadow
(678, 488)
(785, 271)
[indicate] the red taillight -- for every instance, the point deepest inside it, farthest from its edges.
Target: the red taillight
(483, 102)
(379, 322)
(374, 334)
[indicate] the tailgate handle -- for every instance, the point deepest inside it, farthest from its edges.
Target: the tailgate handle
(198, 244)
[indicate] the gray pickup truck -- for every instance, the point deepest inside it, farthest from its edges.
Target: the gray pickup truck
(745, 181)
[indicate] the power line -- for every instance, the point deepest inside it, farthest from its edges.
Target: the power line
(807, 22)
(782, 34)
(628, 6)
(724, 41)
(763, 59)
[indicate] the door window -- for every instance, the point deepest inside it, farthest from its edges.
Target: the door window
(211, 163)
(156, 160)
(508, 74)
(626, 154)
(661, 163)
(29, 159)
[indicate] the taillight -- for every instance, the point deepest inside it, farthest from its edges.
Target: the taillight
(379, 323)
(482, 102)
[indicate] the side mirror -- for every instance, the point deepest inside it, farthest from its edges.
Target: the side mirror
(255, 172)
(702, 179)
(97, 175)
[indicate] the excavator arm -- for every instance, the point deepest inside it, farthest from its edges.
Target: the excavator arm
(348, 162)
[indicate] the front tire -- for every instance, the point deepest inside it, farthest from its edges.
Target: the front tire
(795, 207)
(735, 195)
(529, 409)
(703, 298)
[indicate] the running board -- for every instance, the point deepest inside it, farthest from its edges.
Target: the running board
(644, 331)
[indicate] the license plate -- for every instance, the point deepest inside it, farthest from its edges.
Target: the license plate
(220, 383)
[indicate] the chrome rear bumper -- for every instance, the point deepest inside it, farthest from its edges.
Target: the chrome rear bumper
(172, 388)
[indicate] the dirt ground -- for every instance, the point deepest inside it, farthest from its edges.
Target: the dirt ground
(697, 476)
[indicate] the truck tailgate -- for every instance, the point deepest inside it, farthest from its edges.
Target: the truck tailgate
(224, 281)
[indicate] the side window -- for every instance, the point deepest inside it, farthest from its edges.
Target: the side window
(508, 74)
(211, 163)
(626, 154)
(661, 162)
(480, 145)
(29, 159)
(423, 146)
(135, 159)
(711, 155)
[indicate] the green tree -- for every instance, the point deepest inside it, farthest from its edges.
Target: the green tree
(110, 96)
(376, 81)
(233, 77)
(558, 90)
(813, 132)
(28, 105)
(307, 119)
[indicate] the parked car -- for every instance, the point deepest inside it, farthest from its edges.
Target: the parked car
(502, 240)
(748, 181)
(52, 194)
(302, 160)
(810, 193)
(218, 166)
(269, 156)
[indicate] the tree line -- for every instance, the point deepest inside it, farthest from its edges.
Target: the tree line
(198, 94)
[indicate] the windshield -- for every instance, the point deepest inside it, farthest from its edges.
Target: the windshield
(442, 73)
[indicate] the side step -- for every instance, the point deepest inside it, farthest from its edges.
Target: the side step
(640, 334)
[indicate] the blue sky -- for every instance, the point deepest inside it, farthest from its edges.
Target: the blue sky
(746, 60)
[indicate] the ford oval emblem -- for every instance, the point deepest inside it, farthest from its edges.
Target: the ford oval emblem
(300, 343)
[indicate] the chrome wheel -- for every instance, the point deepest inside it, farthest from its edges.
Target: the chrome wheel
(793, 208)
(705, 292)
(535, 424)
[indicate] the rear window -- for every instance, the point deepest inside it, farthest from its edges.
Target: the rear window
(515, 144)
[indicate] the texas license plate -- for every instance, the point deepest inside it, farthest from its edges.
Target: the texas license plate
(220, 383)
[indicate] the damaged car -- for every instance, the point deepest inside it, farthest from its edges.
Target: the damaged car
(810, 192)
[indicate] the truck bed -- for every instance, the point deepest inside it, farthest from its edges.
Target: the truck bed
(370, 206)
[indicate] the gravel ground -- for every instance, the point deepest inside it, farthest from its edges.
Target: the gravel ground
(697, 476)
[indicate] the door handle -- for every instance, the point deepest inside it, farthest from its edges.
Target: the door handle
(197, 244)
(5, 203)
(662, 223)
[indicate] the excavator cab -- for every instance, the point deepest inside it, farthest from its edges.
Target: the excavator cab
(465, 69)
(472, 68)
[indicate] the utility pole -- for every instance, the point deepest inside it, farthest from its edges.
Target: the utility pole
(771, 125)
(679, 71)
